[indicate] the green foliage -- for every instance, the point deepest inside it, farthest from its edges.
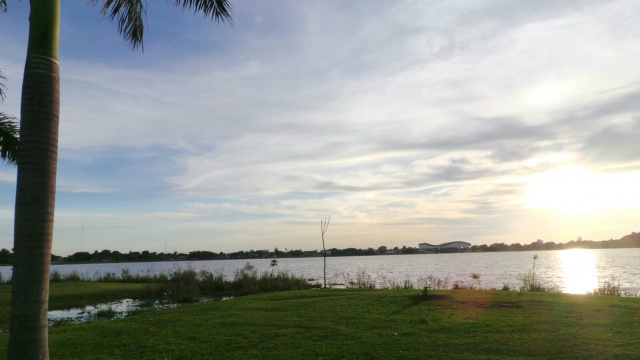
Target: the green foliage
(73, 276)
(6, 256)
(434, 282)
(107, 313)
(396, 284)
(362, 281)
(247, 281)
(9, 129)
(188, 285)
(530, 284)
(130, 15)
(608, 287)
(182, 286)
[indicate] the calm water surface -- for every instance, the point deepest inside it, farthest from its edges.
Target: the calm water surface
(573, 271)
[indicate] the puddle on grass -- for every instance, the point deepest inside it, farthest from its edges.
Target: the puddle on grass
(115, 310)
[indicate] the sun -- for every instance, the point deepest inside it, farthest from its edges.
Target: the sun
(576, 190)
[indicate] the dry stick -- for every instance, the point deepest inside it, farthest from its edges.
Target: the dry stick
(324, 224)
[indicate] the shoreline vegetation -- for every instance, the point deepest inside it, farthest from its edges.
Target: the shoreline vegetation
(188, 285)
(107, 256)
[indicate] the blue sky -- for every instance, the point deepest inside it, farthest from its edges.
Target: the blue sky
(406, 122)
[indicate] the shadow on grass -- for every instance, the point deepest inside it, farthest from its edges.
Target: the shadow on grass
(432, 297)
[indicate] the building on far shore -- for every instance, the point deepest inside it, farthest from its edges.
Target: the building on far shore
(450, 246)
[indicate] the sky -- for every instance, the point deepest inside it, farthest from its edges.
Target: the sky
(404, 121)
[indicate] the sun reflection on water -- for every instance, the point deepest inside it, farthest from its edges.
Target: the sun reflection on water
(579, 273)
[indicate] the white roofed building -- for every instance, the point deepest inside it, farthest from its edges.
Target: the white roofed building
(447, 245)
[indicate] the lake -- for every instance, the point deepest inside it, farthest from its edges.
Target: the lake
(572, 271)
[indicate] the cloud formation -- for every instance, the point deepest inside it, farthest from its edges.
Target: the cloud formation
(427, 120)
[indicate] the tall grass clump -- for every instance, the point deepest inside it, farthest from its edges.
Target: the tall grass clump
(106, 314)
(74, 276)
(473, 283)
(608, 287)
(183, 286)
(188, 285)
(362, 281)
(529, 283)
(248, 281)
(434, 282)
(406, 284)
(127, 277)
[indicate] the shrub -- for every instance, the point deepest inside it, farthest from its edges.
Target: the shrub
(528, 283)
(434, 282)
(608, 287)
(362, 281)
(474, 284)
(183, 286)
(425, 293)
(211, 283)
(107, 313)
(55, 276)
(188, 285)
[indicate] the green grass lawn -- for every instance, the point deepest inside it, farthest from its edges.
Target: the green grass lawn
(66, 295)
(367, 324)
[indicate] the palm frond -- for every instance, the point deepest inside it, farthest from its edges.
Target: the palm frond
(3, 5)
(9, 138)
(130, 15)
(219, 10)
(2, 80)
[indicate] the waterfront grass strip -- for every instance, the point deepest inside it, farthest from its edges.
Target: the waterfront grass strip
(372, 324)
(67, 295)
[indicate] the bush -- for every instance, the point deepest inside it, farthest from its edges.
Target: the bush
(107, 313)
(188, 285)
(425, 293)
(608, 287)
(434, 282)
(528, 283)
(56, 276)
(362, 281)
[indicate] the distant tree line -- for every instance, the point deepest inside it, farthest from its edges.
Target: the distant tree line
(629, 241)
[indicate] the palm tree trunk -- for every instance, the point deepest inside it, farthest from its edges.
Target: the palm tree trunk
(36, 185)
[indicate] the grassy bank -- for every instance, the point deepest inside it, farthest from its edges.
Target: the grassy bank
(371, 324)
(66, 295)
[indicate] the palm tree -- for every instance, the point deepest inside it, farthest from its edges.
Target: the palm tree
(8, 132)
(8, 138)
(38, 153)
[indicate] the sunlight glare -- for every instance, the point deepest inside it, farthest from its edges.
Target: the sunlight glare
(579, 274)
